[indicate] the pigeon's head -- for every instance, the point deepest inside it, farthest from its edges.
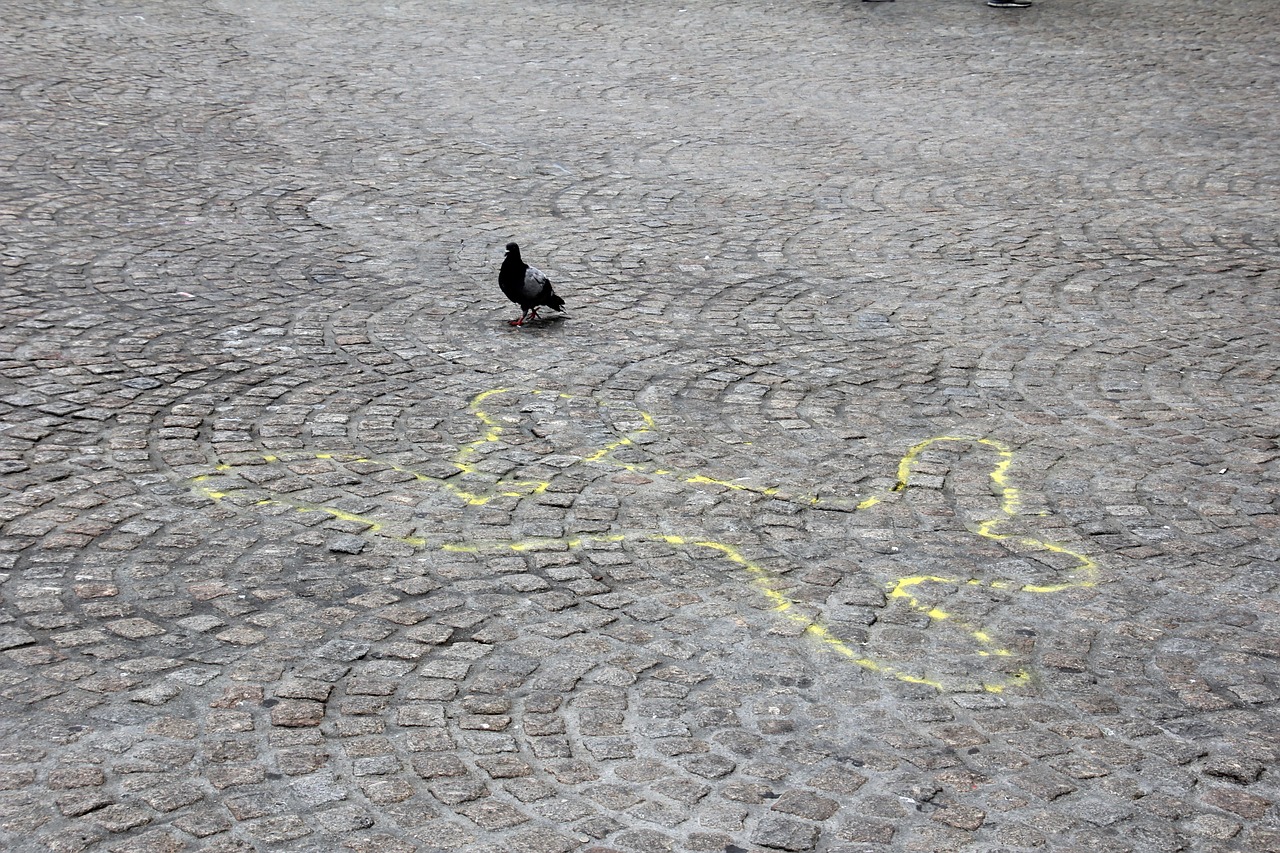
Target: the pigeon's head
(513, 248)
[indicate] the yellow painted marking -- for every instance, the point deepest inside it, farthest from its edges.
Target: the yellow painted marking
(1084, 574)
(764, 582)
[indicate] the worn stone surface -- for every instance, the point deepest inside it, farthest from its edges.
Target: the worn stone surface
(904, 479)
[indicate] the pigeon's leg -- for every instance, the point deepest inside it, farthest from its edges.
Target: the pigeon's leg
(519, 322)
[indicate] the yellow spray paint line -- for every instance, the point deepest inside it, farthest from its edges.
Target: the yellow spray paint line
(765, 583)
(761, 579)
(493, 432)
(624, 441)
(461, 460)
(372, 525)
(602, 454)
(788, 608)
(1085, 573)
(501, 488)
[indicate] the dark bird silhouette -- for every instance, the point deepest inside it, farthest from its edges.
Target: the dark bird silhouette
(526, 286)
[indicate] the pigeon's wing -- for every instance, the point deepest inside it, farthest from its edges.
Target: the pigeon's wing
(535, 281)
(534, 286)
(538, 286)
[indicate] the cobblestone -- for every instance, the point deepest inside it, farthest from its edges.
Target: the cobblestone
(904, 477)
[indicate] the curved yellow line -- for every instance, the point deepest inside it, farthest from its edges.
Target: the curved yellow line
(1083, 575)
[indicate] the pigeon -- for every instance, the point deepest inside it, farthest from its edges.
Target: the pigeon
(526, 286)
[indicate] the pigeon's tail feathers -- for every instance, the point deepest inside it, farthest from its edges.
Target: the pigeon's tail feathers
(552, 299)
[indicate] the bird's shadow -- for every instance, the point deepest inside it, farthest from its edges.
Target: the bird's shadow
(540, 322)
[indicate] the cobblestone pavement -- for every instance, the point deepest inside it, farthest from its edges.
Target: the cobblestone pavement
(904, 478)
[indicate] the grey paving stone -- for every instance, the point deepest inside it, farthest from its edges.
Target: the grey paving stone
(778, 833)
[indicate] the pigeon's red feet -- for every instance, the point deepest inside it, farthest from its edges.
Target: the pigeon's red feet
(519, 322)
